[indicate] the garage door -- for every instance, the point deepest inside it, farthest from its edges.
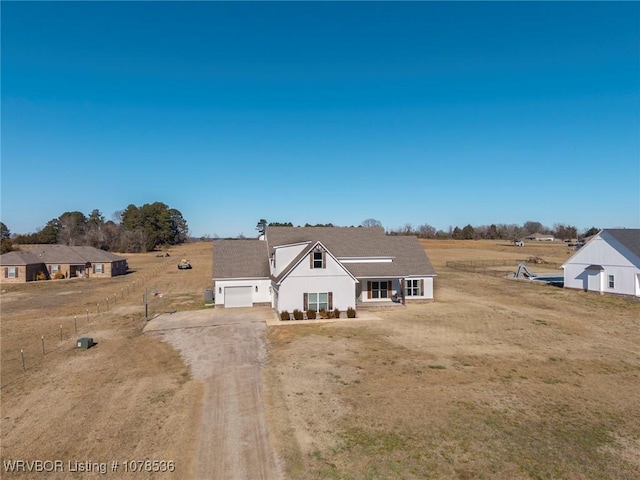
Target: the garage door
(237, 297)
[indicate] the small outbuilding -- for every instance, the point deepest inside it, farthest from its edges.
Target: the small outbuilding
(608, 263)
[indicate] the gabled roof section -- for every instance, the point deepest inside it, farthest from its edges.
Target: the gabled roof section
(409, 257)
(19, 257)
(95, 255)
(629, 237)
(240, 259)
(341, 241)
(286, 271)
(79, 255)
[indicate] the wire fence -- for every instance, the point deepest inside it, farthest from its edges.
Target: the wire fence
(492, 267)
(53, 337)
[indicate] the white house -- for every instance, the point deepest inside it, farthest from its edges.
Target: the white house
(321, 268)
(608, 263)
(540, 237)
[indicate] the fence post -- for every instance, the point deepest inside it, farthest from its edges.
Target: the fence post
(24, 368)
(60, 332)
(75, 322)
(43, 352)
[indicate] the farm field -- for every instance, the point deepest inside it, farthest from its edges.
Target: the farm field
(495, 379)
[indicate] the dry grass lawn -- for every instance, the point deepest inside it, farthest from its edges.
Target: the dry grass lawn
(131, 397)
(495, 379)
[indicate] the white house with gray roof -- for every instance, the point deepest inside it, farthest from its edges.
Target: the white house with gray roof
(321, 268)
(608, 263)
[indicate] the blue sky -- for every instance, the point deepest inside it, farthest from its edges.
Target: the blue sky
(418, 112)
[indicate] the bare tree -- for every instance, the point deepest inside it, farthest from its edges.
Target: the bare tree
(426, 231)
(371, 222)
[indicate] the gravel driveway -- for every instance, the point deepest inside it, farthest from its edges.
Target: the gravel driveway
(225, 350)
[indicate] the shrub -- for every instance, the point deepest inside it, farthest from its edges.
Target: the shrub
(336, 313)
(298, 314)
(41, 276)
(284, 315)
(311, 314)
(351, 313)
(58, 275)
(324, 314)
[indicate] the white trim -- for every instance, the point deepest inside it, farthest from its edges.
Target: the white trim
(291, 244)
(229, 279)
(366, 259)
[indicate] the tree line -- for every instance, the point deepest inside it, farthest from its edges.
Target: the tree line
(134, 229)
(494, 231)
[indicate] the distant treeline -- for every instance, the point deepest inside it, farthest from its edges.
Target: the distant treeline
(495, 231)
(134, 229)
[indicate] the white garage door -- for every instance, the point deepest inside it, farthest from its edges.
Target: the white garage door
(237, 297)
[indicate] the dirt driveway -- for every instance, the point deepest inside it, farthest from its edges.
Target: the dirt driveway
(225, 349)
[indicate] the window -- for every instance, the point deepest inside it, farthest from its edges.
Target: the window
(318, 301)
(11, 272)
(98, 268)
(54, 269)
(412, 288)
(380, 289)
(318, 259)
(611, 281)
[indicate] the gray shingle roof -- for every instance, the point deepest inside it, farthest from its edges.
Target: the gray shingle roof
(410, 257)
(629, 237)
(240, 259)
(342, 241)
(72, 255)
(19, 257)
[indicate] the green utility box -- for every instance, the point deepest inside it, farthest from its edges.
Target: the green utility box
(84, 343)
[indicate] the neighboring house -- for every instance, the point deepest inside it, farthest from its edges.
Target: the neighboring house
(20, 267)
(316, 268)
(61, 261)
(608, 263)
(539, 237)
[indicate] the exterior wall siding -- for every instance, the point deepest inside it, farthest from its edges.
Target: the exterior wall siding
(26, 273)
(262, 296)
(284, 256)
(599, 252)
(427, 293)
(304, 279)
